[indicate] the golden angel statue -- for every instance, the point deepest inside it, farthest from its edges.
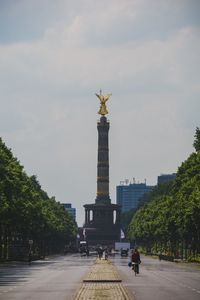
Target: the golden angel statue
(103, 109)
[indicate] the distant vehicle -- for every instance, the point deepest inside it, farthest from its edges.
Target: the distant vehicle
(124, 252)
(83, 247)
(122, 245)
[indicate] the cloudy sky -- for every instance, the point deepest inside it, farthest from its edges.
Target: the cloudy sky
(54, 57)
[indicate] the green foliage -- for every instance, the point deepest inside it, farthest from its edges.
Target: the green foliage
(196, 143)
(161, 189)
(25, 209)
(126, 219)
(194, 258)
(170, 214)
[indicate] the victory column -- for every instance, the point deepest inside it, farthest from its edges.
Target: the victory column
(102, 219)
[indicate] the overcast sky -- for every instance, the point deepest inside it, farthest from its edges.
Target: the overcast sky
(54, 57)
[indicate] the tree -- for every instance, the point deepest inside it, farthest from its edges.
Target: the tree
(27, 212)
(125, 219)
(196, 143)
(169, 217)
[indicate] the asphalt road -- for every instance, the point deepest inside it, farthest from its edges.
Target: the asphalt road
(58, 278)
(160, 280)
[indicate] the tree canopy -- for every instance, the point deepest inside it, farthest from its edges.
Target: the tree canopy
(196, 143)
(170, 217)
(25, 209)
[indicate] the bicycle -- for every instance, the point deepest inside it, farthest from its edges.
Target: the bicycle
(135, 267)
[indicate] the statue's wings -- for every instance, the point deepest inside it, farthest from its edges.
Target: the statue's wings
(101, 97)
(98, 95)
(108, 96)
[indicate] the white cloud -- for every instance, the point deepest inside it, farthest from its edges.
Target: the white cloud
(48, 107)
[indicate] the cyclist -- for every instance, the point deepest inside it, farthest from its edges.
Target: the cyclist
(135, 258)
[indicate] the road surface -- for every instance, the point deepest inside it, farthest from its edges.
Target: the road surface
(55, 278)
(160, 280)
(58, 278)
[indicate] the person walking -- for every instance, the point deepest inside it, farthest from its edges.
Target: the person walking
(100, 252)
(159, 255)
(29, 257)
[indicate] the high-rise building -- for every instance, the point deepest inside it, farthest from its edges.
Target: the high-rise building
(72, 211)
(163, 178)
(129, 195)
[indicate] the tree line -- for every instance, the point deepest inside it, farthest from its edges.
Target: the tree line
(168, 220)
(29, 218)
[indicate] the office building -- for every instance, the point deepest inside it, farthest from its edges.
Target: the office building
(129, 195)
(163, 178)
(72, 211)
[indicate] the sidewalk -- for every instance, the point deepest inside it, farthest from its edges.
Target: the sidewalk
(102, 282)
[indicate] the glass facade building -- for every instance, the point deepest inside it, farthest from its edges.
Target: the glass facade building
(164, 178)
(129, 195)
(72, 211)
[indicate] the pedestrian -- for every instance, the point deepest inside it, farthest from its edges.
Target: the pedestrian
(159, 255)
(100, 252)
(135, 259)
(30, 257)
(106, 253)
